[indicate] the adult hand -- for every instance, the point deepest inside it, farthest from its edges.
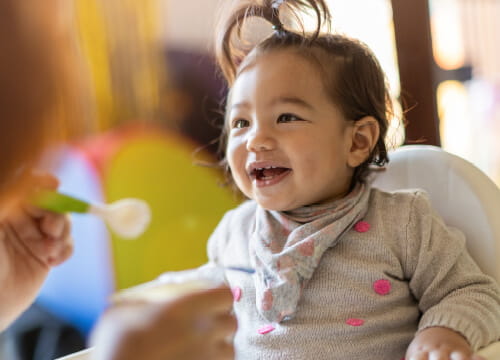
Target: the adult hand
(198, 325)
(31, 242)
(439, 343)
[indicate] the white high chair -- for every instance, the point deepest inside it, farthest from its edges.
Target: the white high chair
(461, 193)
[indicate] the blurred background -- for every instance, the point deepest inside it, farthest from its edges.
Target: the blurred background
(152, 100)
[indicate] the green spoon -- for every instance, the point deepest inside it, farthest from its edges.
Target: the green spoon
(128, 218)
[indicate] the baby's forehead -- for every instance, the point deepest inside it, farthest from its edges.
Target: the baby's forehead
(285, 55)
(285, 72)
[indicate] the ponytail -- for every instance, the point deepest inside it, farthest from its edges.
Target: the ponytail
(228, 50)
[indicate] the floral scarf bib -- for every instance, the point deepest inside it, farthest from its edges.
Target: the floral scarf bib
(286, 247)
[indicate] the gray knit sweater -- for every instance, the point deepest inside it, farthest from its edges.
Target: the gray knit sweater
(371, 292)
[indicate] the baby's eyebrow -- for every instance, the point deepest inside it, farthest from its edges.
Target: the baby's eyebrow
(242, 104)
(291, 100)
(278, 100)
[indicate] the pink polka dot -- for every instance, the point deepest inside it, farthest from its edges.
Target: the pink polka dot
(236, 293)
(382, 286)
(355, 322)
(266, 329)
(362, 226)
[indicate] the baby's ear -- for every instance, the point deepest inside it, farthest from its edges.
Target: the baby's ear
(365, 133)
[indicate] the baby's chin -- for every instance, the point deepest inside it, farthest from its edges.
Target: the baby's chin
(279, 201)
(271, 205)
(291, 204)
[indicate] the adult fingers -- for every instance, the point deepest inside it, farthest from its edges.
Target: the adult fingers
(418, 356)
(439, 355)
(208, 326)
(44, 180)
(63, 246)
(224, 351)
(210, 301)
(217, 328)
(227, 323)
(40, 181)
(52, 224)
(47, 249)
(460, 355)
(22, 250)
(25, 227)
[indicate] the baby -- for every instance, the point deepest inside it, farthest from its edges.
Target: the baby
(343, 270)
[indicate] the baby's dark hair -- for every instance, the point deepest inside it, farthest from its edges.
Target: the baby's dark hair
(352, 76)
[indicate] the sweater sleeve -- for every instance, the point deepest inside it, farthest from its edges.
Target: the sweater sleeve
(218, 240)
(450, 288)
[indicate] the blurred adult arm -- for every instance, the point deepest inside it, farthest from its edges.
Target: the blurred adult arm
(198, 325)
(31, 242)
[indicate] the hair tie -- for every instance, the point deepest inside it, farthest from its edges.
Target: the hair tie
(272, 14)
(278, 27)
(275, 19)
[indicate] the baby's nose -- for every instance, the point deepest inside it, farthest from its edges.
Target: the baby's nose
(260, 140)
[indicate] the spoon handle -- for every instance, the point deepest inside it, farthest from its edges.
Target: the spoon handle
(60, 203)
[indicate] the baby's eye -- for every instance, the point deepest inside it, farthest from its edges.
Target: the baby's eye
(284, 118)
(240, 123)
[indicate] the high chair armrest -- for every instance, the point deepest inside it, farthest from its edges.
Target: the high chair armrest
(491, 352)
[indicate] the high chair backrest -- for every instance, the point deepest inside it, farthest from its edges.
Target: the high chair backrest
(463, 195)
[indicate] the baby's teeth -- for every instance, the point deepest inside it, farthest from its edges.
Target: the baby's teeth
(266, 168)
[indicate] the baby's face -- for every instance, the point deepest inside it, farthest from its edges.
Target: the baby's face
(288, 144)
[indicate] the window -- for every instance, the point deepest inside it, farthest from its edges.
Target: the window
(465, 46)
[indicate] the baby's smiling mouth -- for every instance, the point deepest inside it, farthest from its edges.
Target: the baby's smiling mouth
(268, 173)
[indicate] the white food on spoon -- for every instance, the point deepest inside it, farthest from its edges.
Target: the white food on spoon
(128, 218)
